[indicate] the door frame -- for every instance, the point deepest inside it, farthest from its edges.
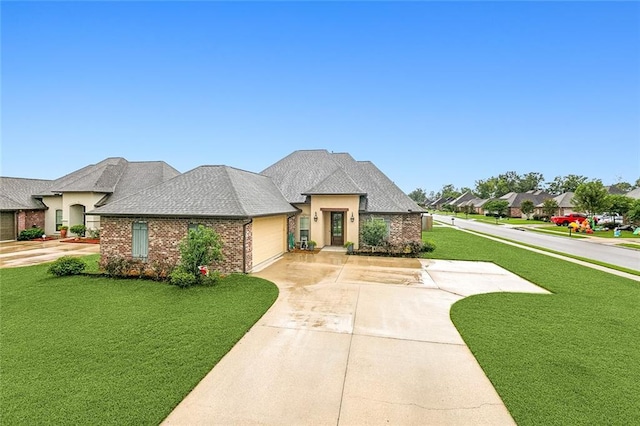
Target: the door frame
(337, 241)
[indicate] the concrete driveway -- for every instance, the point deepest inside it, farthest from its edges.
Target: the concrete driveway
(24, 253)
(356, 340)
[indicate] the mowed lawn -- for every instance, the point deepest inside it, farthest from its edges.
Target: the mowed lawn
(571, 358)
(88, 350)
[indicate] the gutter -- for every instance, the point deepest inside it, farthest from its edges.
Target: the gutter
(244, 245)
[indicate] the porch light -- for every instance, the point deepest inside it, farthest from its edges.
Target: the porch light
(315, 216)
(352, 218)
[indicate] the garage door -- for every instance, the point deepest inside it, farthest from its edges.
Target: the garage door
(269, 238)
(7, 226)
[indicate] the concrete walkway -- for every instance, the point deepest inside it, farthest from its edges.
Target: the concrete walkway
(25, 253)
(356, 340)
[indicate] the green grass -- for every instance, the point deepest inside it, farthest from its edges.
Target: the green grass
(572, 357)
(94, 350)
(600, 234)
(630, 245)
(502, 221)
(559, 231)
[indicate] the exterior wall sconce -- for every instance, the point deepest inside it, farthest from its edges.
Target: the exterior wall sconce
(352, 218)
(315, 216)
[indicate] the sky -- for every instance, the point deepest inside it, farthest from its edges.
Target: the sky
(433, 93)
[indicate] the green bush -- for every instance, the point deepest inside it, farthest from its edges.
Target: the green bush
(182, 278)
(94, 233)
(117, 266)
(428, 246)
(67, 265)
(30, 234)
(79, 230)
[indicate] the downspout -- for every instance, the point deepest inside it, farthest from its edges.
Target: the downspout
(244, 245)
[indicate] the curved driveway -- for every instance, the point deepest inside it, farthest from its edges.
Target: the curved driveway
(356, 340)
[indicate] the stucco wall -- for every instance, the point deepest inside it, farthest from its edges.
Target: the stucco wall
(54, 203)
(165, 236)
(86, 199)
(321, 230)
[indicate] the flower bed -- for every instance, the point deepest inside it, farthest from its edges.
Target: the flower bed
(81, 240)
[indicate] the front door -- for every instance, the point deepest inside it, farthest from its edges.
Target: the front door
(337, 228)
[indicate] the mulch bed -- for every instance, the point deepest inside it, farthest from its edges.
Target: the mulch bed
(43, 239)
(81, 240)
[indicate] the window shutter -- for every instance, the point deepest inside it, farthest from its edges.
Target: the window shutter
(140, 245)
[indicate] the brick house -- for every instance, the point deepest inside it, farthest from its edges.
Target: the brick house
(19, 208)
(308, 195)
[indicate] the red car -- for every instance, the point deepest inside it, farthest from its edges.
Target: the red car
(568, 218)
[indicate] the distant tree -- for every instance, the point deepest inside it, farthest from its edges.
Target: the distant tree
(636, 184)
(591, 197)
(486, 188)
(465, 189)
(449, 191)
(448, 207)
(568, 183)
(527, 207)
(497, 207)
(550, 207)
(468, 209)
(623, 186)
(418, 195)
(531, 181)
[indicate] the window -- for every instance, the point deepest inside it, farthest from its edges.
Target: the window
(58, 219)
(304, 228)
(140, 244)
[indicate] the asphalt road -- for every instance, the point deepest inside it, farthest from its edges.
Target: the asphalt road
(582, 247)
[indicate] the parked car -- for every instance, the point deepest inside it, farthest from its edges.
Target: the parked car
(605, 218)
(568, 218)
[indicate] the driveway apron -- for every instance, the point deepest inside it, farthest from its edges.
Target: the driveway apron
(356, 340)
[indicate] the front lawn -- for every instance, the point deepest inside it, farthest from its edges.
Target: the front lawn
(568, 358)
(83, 350)
(601, 234)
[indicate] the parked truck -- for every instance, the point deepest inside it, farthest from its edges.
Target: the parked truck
(568, 218)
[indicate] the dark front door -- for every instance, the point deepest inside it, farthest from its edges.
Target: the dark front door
(337, 228)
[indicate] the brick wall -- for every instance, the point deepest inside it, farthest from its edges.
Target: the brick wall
(28, 218)
(165, 235)
(404, 228)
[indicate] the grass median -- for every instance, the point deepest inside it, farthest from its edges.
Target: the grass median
(85, 350)
(572, 357)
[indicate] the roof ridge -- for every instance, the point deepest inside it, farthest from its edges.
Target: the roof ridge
(232, 185)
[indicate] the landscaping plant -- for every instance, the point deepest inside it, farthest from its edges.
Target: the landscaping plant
(79, 230)
(199, 249)
(67, 265)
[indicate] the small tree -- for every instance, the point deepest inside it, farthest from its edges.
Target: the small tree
(374, 232)
(591, 197)
(497, 207)
(200, 247)
(550, 207)
(620, 204)
(527, 207)
(468, 209)
(633, 215)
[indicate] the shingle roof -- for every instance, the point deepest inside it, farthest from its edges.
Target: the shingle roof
(563, 200)
(467, 196)
(634, 193)
(115, 177)
(16, 193)
(515, 199)
(318, 171)
(211, 191)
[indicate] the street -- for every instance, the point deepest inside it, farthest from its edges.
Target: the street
(583, 247)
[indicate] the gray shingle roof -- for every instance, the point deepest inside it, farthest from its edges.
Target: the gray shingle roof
(462, 199)
(563, 200)
(515, 199)
(16, 193)
(115, 177)
(634, 193)
(211, 191)
(307, 171)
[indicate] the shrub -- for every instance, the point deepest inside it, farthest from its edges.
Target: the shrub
(201, 246)
(67, 265)
(374, 232)
(161, 270)
(30, 234)
(182, 278)
(94, 233)
(79, 230)
(428, 246)
(116, 266)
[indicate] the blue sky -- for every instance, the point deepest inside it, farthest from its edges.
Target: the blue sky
(433, 93)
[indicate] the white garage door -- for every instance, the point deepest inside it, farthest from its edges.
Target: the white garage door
(269, 238)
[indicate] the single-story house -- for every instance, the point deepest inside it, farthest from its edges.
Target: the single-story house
(564, 205)
(50, 204)
(515, 200)
(19, 209)
(462, 200)
(308, 195)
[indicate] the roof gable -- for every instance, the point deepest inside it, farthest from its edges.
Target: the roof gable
(211, 191)
(17, 193)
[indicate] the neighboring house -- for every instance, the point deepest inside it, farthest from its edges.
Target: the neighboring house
(19, 209)
(337, 194)
(308, 195)
(477, 204)
(440, 202)
(246, 209)
(564, 205)
(614, 189)
(71, 196)
(634, 193)
(462, 200)
(515, 200)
